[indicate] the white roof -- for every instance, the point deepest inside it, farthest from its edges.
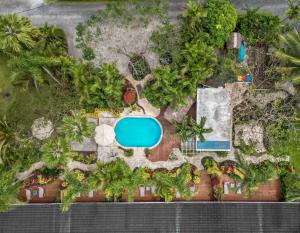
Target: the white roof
(214, 104)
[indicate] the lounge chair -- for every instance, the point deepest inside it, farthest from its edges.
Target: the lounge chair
(239, 188)
(78, 195)
(153, 189)
(41, 192)
(91, 194)
(226, 187)
(142, 191)
(193, 188)
(28, 194)
(147, 188)
(178, 194)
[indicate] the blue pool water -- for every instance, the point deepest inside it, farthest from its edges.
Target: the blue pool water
(138, 132)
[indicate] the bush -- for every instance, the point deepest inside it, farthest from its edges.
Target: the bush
(220, 21)
(128, 152)
(88, 53)
(129, 97)
(259, 27)
(138, 67)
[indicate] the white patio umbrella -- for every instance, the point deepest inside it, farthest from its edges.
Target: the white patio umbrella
(105, 135)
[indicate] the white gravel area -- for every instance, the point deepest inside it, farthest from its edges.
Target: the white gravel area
(115, 43)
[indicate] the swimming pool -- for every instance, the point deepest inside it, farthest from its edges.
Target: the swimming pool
(142, 132)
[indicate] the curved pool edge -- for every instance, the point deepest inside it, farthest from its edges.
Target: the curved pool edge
(140, 116)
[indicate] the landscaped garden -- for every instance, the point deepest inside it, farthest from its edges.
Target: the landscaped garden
(59, 115)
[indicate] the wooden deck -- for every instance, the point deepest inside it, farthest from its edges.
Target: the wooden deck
(51, 193)
(269, 191)
(169, 141)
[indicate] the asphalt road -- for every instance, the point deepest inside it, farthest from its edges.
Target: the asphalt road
(68, 15)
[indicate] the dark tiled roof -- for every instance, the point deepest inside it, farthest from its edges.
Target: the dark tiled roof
(154, 217)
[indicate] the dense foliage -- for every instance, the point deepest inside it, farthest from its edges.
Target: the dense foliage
(166, 88)
(259, 27)
(98, 87)
(289, 55)
(219, 22)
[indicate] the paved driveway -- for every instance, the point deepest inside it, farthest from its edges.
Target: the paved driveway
(68, 15)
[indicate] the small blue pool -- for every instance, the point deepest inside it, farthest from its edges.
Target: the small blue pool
(142, 132)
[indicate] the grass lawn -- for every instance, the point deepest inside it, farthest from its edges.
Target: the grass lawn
(6, 89)
(21, 106)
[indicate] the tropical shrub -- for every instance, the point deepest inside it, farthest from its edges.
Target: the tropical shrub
(98, 87)
(116, 178)
(168, 183)
(188, 128)
(219, 22)
(76, 127)
(56, 152)
(74, 182)
(259, 27)
(138, 67)
(166, 88)
(17, 34)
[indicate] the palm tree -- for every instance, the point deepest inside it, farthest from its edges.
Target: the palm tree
(52, 41)
(197, 130)
(181, 128)
(16, 34)
(188, 128)
(76, 127)
(56, 152)
(289, 54)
